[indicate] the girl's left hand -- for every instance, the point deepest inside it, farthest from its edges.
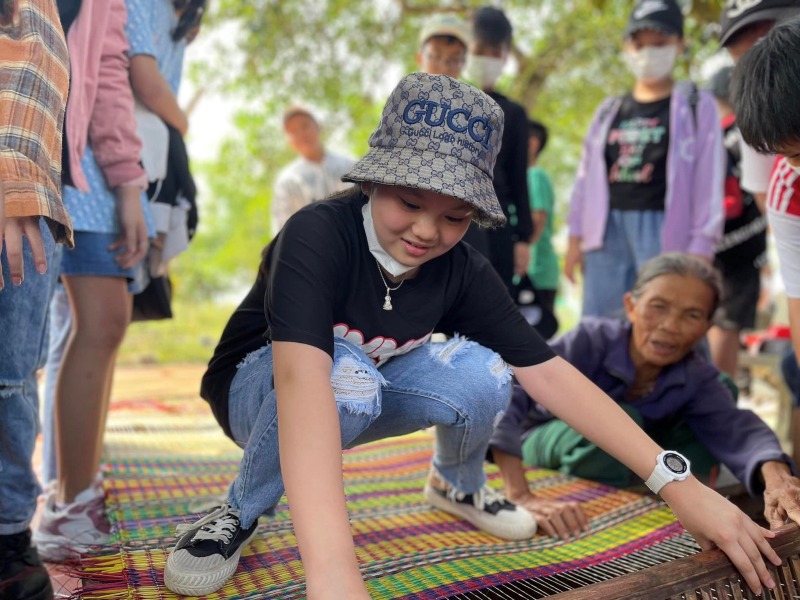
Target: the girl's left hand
(133, 228)
(716, 522)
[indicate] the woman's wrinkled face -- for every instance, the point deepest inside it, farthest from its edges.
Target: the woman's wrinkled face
(672, 314)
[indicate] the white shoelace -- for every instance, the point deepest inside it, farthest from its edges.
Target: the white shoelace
(219, 525)
(487, 495)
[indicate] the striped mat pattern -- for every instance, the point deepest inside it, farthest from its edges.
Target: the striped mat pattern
(166, 460)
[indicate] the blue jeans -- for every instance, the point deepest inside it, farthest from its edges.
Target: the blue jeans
(457, 386)
(632, 237)
(23, 325)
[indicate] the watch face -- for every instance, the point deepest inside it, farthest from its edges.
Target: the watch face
(675, 463)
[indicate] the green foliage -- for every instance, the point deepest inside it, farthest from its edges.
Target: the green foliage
(342, 57)
(189, 337)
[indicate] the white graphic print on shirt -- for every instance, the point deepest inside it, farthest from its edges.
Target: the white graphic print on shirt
(380, 349)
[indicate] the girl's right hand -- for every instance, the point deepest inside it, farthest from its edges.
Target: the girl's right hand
(574, 259)
(716, 522)
(132, 227)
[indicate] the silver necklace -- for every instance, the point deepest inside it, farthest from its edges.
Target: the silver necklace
(387, 301)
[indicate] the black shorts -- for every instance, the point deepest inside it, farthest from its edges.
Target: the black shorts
(741, 289)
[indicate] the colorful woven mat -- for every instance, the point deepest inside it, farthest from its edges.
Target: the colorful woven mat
(165, 458)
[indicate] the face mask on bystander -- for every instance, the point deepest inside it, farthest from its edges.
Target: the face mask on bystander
(652, 63)
(484, 70)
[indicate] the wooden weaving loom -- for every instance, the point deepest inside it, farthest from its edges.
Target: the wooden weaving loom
(696, 576)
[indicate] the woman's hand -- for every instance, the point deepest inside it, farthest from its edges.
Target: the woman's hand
(132, 227)
(556, 518)
(574, 259)
(715, 522)
(781, 494)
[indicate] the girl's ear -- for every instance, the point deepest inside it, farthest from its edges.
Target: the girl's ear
(366, 188)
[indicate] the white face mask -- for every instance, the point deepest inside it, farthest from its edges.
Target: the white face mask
(394, 268)
(652, 63)
(484, 70)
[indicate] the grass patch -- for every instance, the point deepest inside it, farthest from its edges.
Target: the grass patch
(189, 337)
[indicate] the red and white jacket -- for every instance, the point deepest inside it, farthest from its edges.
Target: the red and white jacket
(783, 212)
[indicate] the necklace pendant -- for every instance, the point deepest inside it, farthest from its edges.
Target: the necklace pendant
(387, 302)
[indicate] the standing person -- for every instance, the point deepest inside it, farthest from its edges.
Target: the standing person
(742, 252)
(763, 91)
(156, 64)
(650, 177)
(509, 246)
(742, 24)
(34, 83)
(314, 175)
(103, 192)
(543, 269)
(349, 294)
(443, 44)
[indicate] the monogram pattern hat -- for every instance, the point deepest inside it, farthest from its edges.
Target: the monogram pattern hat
(438, 134)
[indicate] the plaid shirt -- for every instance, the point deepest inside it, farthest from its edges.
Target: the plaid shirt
(34, 82)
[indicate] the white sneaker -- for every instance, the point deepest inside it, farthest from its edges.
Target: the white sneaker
(206, 556)
(487, 509)
(76, 529)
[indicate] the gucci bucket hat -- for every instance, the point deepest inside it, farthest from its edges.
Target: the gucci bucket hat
(439, 134)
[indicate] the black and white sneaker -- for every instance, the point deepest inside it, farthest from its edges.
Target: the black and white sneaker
(207, 553)
(487, 509)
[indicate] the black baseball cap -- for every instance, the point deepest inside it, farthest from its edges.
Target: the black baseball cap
(738, 14)
(660, 15)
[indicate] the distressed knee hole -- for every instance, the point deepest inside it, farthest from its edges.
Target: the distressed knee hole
(8, 389)
(445, 353)
(355, 384)
(500, 369)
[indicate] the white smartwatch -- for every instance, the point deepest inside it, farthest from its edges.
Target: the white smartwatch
(670, 466)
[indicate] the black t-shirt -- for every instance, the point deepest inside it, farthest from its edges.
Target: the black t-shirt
(67, 13)
(511, 170)
(318, 280)
(636, 155)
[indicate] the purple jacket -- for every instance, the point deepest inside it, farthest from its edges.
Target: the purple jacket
(693, 214)
(598, 348)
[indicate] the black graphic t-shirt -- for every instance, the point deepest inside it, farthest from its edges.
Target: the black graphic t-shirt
(636, 155)
(318, 280)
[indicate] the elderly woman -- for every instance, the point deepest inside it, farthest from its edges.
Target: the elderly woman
(648, 365)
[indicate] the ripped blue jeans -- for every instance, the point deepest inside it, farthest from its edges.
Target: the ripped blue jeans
(457, 386)
(23, 343)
